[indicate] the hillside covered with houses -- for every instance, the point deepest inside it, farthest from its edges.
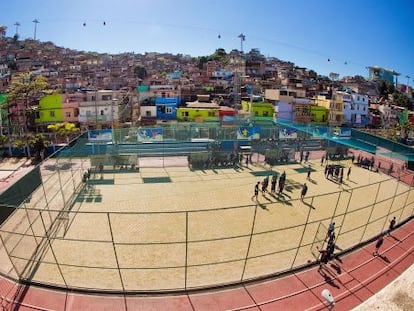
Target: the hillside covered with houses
(42, 84)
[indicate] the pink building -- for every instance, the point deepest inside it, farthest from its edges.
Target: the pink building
(70, 107)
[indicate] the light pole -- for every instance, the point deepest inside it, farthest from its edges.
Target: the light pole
(17, 24)
(35, 21)
(242, 38)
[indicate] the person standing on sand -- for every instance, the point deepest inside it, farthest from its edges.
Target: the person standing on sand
(256, 191)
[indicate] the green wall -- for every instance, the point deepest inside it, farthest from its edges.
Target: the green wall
(50, 109)
(197, 114)
(319, 115)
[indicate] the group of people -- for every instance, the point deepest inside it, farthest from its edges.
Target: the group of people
(264, 184)
(336, 172)
(328, 253)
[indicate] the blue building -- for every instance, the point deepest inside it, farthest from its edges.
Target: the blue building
(380, 74)
(166, 108)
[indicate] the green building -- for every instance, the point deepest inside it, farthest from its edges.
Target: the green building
(319, 115)
(260, 112)
(49, 110)
(199, 111)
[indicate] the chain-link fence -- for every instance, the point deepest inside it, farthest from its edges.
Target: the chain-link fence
(48, 238)
(170, 251)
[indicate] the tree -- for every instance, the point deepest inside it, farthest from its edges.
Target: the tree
(385, 88)
(27, 89)
(65, 129)
(401, 100)
(140, 72)
(39, 144)
(3, 141)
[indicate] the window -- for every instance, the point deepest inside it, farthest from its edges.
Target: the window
(102, 113)
(168, 110)
(184, 114)
(88, 113)
(51, 114)
(211, 113)
(106, 97)
(67, 114)
(265, 113)
(147, 113)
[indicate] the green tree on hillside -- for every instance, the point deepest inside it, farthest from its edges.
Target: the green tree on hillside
(27, 89)
(140, 72)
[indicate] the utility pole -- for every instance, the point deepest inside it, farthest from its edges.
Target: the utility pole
(17, 24)
(242, 38)
(35, 21)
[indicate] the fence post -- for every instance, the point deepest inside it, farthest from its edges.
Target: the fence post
(392, 202)
(372, 210)
(186, 251)
(116, 256)
(405, 205)
(52, 251)
(8, 255)
(250, 241)
(60, 184)
(46, 199)
(303, 234)
(346, 212)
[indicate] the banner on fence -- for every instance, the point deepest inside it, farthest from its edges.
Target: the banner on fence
(100, 135)
(288, 133)
(320, 131)
(247, 132)
(149, 134)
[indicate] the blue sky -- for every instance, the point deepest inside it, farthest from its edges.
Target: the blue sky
(352, 34)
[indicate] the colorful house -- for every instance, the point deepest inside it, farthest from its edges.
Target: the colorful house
(227, 116)
(70, 107)
(259, 111)
(166, 108)
(49, 110)
(198, 112)
(201, 110)
(319, 115)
